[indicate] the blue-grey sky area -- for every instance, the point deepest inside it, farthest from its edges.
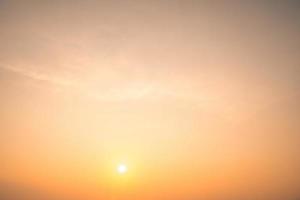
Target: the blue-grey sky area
(199, 98)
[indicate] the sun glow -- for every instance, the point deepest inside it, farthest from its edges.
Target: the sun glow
(122, 168)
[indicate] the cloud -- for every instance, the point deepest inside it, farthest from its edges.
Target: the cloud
(38, 76)
(127, 92)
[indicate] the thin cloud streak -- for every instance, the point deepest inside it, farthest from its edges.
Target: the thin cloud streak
(126, 93)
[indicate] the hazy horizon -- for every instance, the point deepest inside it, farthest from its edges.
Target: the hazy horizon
(193, 99)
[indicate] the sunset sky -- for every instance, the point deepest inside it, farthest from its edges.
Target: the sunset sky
(149, 100)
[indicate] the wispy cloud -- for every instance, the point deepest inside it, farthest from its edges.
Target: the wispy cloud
(127, 92)
(38, 76)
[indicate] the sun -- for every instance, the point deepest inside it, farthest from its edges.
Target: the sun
(122, 169)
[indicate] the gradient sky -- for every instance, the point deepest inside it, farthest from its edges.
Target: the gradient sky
(199, 98)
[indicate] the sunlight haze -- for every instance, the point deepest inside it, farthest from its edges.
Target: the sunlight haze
(149, 100)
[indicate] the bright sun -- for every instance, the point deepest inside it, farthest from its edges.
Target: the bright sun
(122, 169)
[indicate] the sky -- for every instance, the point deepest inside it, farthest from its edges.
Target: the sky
(199, 99)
